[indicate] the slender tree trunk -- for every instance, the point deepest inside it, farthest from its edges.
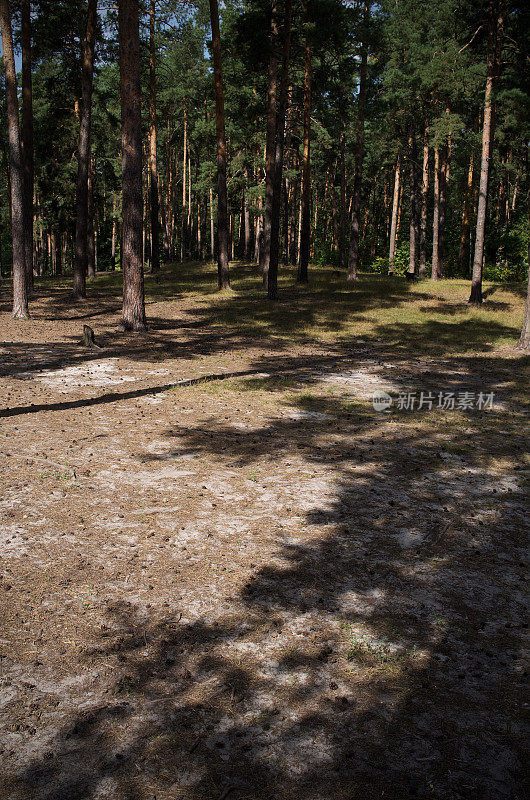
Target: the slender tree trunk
(270, 142)
(58, 253)
(20, 293)
(246, 210)
(463, 253)
(83, 153)
(393, 225)
(496, 23)
(353, 259)
(113, 245)
(223, 277)
(132, 201)
(91, 249)
(212, 232)
(184, 192)
(27, 139)
(423, 218)
(413, 227)
(272, 282)
(524, 341)
(435, 269)
(153, 173)
(444, 183)
(342, 240)
(305, 227)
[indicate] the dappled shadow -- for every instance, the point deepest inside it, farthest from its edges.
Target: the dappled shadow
(375, 653)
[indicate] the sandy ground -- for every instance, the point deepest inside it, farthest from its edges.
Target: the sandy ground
(256, 587)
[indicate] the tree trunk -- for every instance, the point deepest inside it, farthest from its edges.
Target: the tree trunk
(58, 256)
(496, 23)
(91, 248)
(27, 139)
(435, 272)
(153, 174)
(113, 245)
(272, 282)
(423, 218)
(342, 239)
(305, 228)
(270, 149)
(413, 227)
(246, 211)
(83, 153)
(223, 277)
(444, 182)
(184, 195)
(524, 341)
(393, 226)
(132, 201)
(353, 259)
(20, 293)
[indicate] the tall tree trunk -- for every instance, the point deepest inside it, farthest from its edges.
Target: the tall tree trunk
(20, 293)
(524, 341)
(91, 246)
(353, 260)
(27, 139)
(423, 218)
(272, 282)
(184, 194)
(223, 277)
(463, 252)
(248, 237)
(58, 253)
(153, 174)
(496, 23)
(413, 227)
(342, 239)
(444, 183)
(305, 228)
(132, 201)
(270, 145)
(83, 153)
(435, 270)
(113, 244)
(393, 225)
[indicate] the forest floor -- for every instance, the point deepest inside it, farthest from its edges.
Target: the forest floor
(261, 587)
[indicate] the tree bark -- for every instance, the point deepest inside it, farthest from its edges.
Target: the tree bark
(524, 341)
(435, 272)
(270, 142)
(413, 226)
(423, 218)
(272, 282)
(393, 226)
(184, 195)
(223, 276)
(153, 173)
(27, 140)
(132, 201)
(305, 228)
(91, 244)
(353, 260)
(20, 293)
(83, 153)
(342, 235)
(496, 23)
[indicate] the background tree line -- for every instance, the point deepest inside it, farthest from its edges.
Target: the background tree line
(387, 137)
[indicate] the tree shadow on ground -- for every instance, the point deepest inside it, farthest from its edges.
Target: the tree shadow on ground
(375, 655)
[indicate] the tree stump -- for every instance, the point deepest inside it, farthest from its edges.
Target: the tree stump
(88, 337)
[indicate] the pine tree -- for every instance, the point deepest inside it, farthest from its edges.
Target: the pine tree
(132, 201)
(20, 294)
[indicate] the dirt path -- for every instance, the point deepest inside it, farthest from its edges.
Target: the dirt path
(258, 587)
